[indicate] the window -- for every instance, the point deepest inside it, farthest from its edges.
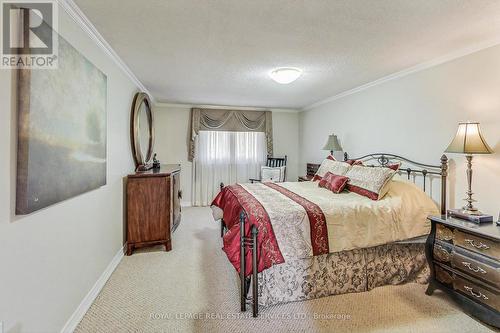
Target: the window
(228, 157)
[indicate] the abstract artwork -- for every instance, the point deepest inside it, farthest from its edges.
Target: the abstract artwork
(61, 149)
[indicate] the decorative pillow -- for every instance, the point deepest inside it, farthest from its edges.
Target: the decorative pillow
(394, 166)
(330, 157)
(272, 174)
(329, 165)
(369, 181)
(333, 182)
(354, 162)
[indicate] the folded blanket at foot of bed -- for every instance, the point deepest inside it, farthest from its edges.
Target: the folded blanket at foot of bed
(289, 226)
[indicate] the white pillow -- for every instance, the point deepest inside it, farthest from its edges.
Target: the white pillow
(272, 174)
(368, 181)
(335, 167)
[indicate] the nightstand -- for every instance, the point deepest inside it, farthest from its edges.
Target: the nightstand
(311, 170)
(464, 259)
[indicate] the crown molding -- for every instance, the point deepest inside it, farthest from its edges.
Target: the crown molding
(222, 107)
(72, 9)
(420, 67)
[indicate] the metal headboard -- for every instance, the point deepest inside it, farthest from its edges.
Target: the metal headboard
(415, 168)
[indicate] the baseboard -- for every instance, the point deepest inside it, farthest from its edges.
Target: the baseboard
(80, 311)
(186, 204)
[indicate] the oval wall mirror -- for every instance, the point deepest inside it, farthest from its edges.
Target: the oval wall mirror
(142, 131)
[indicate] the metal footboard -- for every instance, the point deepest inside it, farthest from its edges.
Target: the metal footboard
(247, 243)
(251, 243)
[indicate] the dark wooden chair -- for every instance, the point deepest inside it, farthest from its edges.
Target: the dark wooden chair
(273, 162)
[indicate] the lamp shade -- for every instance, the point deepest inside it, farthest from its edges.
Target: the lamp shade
(332, 144)
(469, 140)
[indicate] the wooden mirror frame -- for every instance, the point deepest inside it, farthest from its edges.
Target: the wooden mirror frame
(141, 163)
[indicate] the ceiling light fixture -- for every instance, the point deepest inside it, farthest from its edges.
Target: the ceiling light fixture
(285, 75)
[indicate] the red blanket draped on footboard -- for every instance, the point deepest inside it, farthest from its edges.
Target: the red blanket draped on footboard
(234, 199)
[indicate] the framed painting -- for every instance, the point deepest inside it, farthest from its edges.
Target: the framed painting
(61, 149)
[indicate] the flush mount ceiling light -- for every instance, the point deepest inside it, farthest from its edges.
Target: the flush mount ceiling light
(285, 75)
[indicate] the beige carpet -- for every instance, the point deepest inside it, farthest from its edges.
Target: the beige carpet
(194, 289)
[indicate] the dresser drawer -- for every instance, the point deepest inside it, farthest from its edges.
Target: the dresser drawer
(477, 244)
(476, 268)
(442, 253)
(443, 275)
(444, 233)
(476, 292)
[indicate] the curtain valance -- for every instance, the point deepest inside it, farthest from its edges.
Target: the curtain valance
(230, 121)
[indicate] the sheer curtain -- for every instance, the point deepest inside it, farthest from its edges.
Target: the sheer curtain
(227, 157)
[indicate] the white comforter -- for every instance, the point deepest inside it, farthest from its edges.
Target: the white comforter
(353, 221)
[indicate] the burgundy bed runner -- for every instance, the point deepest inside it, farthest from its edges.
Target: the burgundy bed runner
(317, 220)
(234, 198)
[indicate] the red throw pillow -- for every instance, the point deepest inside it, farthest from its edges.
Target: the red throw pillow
(333, 182)
(394, 166)
(354, 162)
(330, 157)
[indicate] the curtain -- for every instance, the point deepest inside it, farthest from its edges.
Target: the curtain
(228, 157)
(229, 121)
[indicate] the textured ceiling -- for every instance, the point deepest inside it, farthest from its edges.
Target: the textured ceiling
(220, 52)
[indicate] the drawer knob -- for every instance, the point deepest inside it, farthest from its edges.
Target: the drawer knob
(475, 270)
(473, 293)
(480, 246)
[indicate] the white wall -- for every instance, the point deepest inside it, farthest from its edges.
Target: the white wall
(416, 116)
(50, 259)
(171, 133)
(286, 141)
(171, 126)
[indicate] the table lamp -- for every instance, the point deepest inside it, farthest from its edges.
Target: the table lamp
(332, 144)
(469, 141)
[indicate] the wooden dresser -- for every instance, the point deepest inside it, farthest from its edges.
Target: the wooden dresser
(153, 207)
(465, 262)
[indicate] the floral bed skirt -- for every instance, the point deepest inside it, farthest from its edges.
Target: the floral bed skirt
(343, 272)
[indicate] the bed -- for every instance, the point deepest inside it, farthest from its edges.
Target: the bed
(294, 241)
